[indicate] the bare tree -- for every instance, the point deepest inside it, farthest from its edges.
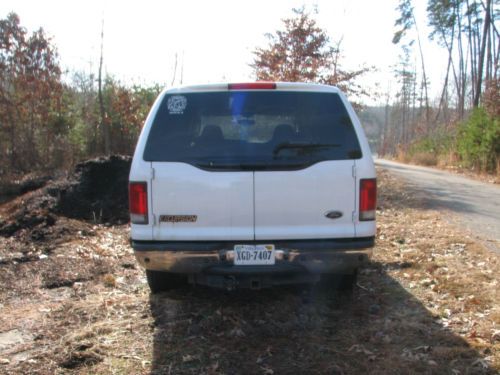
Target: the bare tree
(480, 67)
(182, 68)
(103, 124)
(470, 26)
(175, 70)
(406, 22)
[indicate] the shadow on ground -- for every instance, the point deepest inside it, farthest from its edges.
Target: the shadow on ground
(381, 329)
(441, 192)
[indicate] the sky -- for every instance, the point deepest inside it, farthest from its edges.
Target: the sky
(214, 40)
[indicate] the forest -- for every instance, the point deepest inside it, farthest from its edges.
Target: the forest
(50, 119)
(461, 127)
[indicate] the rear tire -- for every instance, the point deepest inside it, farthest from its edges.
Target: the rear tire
(160, 281)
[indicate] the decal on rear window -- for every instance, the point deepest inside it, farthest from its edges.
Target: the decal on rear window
(177, 104)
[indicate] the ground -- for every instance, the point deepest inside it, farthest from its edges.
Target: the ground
(471, 204)
(73, 300)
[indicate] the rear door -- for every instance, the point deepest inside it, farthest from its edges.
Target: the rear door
(316, 197)
(193, 204)
(191, 199)
(295, 204)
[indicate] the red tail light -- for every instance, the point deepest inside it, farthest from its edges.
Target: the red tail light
(367, 199)
(252, 86)
(138, 202)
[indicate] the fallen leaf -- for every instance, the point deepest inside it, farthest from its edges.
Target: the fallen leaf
(236, 332)
(480, 363)
(188, 358)
(495, 336)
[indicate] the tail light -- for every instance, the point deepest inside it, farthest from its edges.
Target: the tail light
(138, 202)
(367, 199)
(252, 86)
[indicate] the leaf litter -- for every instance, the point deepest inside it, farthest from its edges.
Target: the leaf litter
(427, 303)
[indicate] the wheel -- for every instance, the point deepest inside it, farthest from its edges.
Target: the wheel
(160, 281)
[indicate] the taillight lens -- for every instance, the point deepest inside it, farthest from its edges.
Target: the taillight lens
(138, 202)
(252, 86)
(367, 199)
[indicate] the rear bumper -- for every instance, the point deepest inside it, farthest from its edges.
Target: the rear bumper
(292, 257)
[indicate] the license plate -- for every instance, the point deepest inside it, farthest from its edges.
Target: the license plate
(253, 255)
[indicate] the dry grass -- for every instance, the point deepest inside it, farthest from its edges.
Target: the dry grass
(428, 303)
(423, 158)
(455, 278)
(449, 163)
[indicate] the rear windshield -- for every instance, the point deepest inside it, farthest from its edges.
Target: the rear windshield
(252, 130)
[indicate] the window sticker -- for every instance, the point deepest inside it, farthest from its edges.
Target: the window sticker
(177, 104)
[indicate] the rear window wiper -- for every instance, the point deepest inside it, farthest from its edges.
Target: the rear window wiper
(303, 146)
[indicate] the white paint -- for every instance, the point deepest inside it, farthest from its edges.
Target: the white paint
(293, 204)
(223, 202)
(283, 204)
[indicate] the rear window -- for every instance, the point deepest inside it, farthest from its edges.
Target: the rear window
(259, 130)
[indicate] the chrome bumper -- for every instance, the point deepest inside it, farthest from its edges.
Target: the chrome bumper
(222, 261)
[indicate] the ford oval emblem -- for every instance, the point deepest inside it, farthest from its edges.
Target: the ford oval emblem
(333, 214)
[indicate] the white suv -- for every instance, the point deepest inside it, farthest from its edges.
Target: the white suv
(251, 185)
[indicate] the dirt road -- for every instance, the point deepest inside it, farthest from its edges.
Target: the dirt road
(473, 205)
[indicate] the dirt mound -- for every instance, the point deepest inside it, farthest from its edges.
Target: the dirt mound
(31, 211)
(96, 191)
(11, 187)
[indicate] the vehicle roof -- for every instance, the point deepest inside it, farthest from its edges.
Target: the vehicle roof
(280, 86)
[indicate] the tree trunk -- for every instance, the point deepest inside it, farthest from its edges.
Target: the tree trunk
(489, 66)
(445, 88)
(12, 139)
(462, 74)
(449, 47)
(486, 27)
(175, 70)
(472, 47)
(427, 110)
(450, 64)
(104, 126)
(182, 68)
